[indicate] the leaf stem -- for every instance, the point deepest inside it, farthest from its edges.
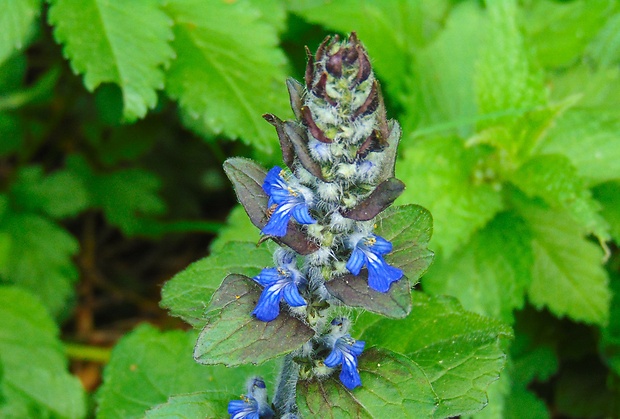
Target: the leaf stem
(87, 352)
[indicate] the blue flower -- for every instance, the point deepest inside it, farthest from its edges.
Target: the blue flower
(345, 352)
(369, 251)
(253, 405)
(284, 202)
(280, 282)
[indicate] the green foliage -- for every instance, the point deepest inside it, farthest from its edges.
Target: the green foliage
(34, 380)
(17, 23)
(149, 366)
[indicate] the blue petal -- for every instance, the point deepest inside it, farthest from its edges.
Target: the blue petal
(267, 277)
(356, 261)
(381, 275)
(239, 409)
(357, 348)
(268, 306)
(292, 296)
(273, 180)
(301, 214)
(381, 246)
(278, 222)
(334, 358)
(349, 376)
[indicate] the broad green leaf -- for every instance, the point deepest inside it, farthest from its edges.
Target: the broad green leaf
(559, 32)
(119, 42)
(608, 195)
(60, 194)
(409, 229)
(460, 352)
(148, 366)
(228, 69)
(238, 228)
(505, 79)
(126, 196)
(39, 259)
(17, 23)
(232, 336)
(210, 404)
(522, 403)
(605, 48)
(554, 179)
(443, 176)
(187, 294)
(591, 140)
(392, 386)
(610, 340)
(567, 276)
(490, 274)
(34, 378)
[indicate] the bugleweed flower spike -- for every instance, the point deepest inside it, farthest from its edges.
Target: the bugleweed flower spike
(322, 209)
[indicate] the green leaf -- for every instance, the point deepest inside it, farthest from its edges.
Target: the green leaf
(128, 197)
(505, 80)
(605, 49)
(39, 259)
(116, 42)
(608, 195)
(197, 405)
(17, 23)
(554, 179)
(490, 274)
(444, 177)
(567, 276)
(187, 294)
(238, 228)
(610, 339)
(460, 352)
(35, 378)
(559, 32)
(60, 194)
(232, 336)
(590, 140)
(393, 386)
(228, 69)
(148, 366)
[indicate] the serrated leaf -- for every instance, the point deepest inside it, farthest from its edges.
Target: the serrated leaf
(188, 293)
(60, 194)
(247, 178)
(392, 386)
(559, 32)
(116, 42)
(148, 366)
(553, 178)
(126, 196)
(196, 405)
(490, 274)
(567, 276)
(17, 23)
(460, 352)
(409, 229)
(35, 377)
(590, 140)
(228, 70)
(442, 174)
(232, 336)
(39, 260)
(505, 80)
(354, 291)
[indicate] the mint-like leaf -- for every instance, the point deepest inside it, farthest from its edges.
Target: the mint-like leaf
(382, 197)
(116, 42)
(232, 336)
(206, 404)
(393, 386)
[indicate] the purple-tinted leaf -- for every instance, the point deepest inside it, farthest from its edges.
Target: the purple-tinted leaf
(232, 336)
(296, 94)
(389, 160)
(409, 229)
(299, 139)
(354, 291)
(288, 154)
(381, 198)
(316, 132)
(247, 178)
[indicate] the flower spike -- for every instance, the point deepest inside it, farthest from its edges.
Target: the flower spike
(253, 405)
(369, 251)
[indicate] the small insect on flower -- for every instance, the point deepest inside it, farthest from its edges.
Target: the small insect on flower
(369, 251)
(345, 351)
(281, 282)
(253, 405)
(284, 202)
